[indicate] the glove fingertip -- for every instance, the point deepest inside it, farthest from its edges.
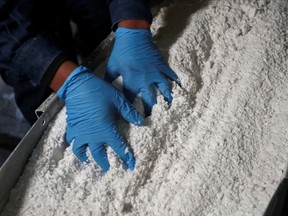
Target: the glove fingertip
(170, 74)
(80, 152)
(130, 161)
(86, 162)
(166, 92)
(135, 118)
(140, 119)
(169, 98)
(178, 81)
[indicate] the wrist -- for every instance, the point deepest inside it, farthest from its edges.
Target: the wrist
(62, 73)
(134, 24)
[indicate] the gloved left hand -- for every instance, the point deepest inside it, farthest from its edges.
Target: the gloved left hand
(91, 105)
(138, 61)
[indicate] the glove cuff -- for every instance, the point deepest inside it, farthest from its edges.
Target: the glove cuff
(62, 90)
(121, 31)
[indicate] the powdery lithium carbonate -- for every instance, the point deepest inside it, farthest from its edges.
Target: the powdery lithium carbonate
(220, 149)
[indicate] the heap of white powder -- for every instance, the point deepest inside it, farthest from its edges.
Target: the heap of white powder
(220, 149)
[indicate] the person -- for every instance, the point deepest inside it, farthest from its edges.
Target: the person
(38, 55)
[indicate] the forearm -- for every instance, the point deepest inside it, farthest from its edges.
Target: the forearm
(134, 24)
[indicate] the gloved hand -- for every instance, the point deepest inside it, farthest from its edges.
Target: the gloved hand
(138, 61)
(91, 104)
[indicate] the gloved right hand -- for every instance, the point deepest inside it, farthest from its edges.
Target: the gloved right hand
(136, 58)
(91, 105)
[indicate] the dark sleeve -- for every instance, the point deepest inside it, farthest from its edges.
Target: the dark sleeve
(129, 9)
(35, 58)
(23, 54)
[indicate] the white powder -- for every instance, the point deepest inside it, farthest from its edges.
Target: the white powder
(220, 149)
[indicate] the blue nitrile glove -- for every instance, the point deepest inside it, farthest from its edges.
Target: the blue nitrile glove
(138, 61)
(91, 104)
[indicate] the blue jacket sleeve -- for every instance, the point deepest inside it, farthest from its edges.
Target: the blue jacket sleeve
(129, 9)
(24, 55)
